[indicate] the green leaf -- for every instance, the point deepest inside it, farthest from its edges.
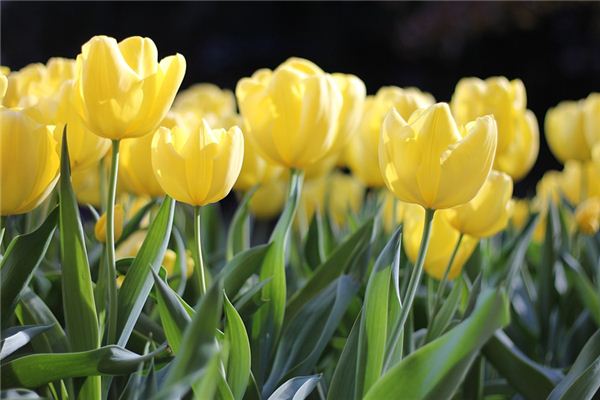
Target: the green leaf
(296, 388)
(238, 365)
(374, 324)
(18, 336)
(583, 379)
(19, 394)
(81, 320)
(173, 316)
(343, 382)
(237, 271)
(530, 379)
(238, 236)
(444, 316)
(588, 294)
(425, 372)
(134, 223)
(337, 264)
(38, 369)
(268, 320)
(198, 345)
(20, 260)
(138, 281)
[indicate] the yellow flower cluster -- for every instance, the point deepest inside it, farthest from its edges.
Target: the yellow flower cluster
(458, 159)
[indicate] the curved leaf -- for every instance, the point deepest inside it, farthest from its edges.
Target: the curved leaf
(296, 388)
(238, 365)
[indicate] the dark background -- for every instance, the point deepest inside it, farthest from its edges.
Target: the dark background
(553, 47)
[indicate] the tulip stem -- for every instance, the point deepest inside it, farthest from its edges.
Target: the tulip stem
(198, 261)
(443, 283)
(411, 291)
(110, 244)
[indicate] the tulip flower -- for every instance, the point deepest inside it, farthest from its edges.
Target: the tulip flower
(429, 161)
(255, 169)
(100, 227)
(392, 211)
(587, 216)
(29, 162)
(518, 133)
(577, 181)
(125, 90)
(206, 101)
(442, 243)
(135, 167)
(591, 116)
(353, 94)
(345, 195)
(3, 86)
(488, 212)
(362, 153)
(269, 199)
(311, 201)
(86, 185)
(291, 113)
(519, 212)
(197, 168)
(565, 132)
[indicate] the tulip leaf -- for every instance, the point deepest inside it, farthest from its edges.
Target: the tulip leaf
(173, 316)
(238, 365)
(18, 336)
(530, 379)
(238, 236)
(298, 388)
(138, 281)
(343, 382)
(22, 257)
(588, 294)
(426, 372)
(337, 264)
(38, 369)
(583, 379)
(244, 264)
(134, 223)
(268, 320)
(77, 291)
(374, 324)
(442, 319)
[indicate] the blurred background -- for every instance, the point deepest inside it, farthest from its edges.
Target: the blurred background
(553, 47)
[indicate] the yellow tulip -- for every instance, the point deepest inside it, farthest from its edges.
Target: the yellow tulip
(29, 162)
(346, 194)
(353, 94)
(519, 213)
(363, 150)
(565, 132)
(547, 190)
(322, 167)
(207, 101)
(488, 212)
(3, 86)
(442, 241)
(85, 148)
(86, 185)
(269, 199)
(518, 133)
(578, 181)
(429, 161)
(312, 200)
(255, 169)
(100, 227)
(135, 167)
(125, 91)
(391, 218)
(291, 113)
(591, 115)
(198, 167)
(587, 216)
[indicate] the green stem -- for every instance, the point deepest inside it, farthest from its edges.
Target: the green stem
(411, 291)
(110, 244)
(198, 261)
(444, 281)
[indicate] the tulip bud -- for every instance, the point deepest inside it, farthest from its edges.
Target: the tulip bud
(519, 212)
(578, 181)
(362, 153)
(206, 101)
(565, 132)
(520, 155)
(29, 162)
(86, 185)
(442, 241)
(198, 167)
(587, 216)
(591, 115)
(487, 213)
(428, 161)
(346, 196)
(100, 228)
(353, 94)
(291, 113)
(125, 91)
